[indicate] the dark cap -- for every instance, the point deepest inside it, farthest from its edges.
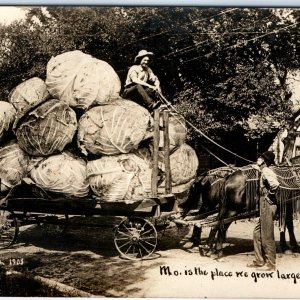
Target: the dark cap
(269, 157)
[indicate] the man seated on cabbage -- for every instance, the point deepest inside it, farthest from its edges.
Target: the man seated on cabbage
(141, 85)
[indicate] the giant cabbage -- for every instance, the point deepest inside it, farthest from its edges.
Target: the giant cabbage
(61, 173)
(128, 176)
(184, 164)
(120, 177)
(177, 131)
(47, 129)
(114, 128)
(7, 116)
(13, 165)
(28, 95)
(81, 80)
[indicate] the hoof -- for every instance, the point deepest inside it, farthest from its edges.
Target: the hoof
(295, 249)
(184, 241)
(288, 252)
(214, 256)
(188, 245)
(295, 255)
(209, 253)
(217, 254)
(202, 252)
(220, 254)
(194, 249)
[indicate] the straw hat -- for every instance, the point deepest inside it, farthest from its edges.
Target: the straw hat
(143, 53)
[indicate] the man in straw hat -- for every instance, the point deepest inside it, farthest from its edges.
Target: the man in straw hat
(263, 234)
(141, 84)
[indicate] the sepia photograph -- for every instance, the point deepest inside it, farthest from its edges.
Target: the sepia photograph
(149, 151)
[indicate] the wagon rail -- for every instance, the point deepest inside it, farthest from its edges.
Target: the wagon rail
(213, 219)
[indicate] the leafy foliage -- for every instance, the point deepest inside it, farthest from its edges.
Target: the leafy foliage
(225, 69)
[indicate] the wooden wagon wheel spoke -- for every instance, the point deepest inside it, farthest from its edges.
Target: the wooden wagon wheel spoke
(146, 232)
(133, 250)
(148, 251)
(147, 243)
(141, 238)
(122, 239)
(143, 226)
(123, 233)
(127, 228)
(141, 255)
(124, 244)
(8, 229)
(128, 249)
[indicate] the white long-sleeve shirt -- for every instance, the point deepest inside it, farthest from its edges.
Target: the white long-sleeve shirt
(137, 71)
(268, 181)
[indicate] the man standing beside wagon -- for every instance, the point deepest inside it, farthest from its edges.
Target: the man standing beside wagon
(263, 234)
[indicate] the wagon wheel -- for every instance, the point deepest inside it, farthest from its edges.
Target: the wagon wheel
(9, 229)
(135, 238)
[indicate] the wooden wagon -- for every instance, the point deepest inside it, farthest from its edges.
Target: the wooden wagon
(135, 237)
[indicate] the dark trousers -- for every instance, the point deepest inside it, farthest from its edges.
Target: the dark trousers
(142, 95)
(263, 234)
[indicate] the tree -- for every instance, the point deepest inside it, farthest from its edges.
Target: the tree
(240, 77)
(224, 68)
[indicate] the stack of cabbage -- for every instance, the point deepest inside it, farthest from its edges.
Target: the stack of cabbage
(76, 135)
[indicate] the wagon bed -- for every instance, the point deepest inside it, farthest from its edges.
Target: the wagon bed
(135, 237)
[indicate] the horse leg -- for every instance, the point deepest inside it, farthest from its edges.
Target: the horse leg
(193, 238)
(290, 227)
(221, 237)
(211, 240)
(293, 242)
(186, 241)
(196, 236)
(283, 244)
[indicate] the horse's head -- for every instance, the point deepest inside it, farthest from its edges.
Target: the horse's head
(208, 188)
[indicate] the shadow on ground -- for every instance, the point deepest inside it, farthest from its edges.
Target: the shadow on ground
(98, 238)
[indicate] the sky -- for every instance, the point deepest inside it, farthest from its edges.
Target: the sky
(9, 14)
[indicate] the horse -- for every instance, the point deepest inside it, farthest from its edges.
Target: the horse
(208, 192)
(234, 191)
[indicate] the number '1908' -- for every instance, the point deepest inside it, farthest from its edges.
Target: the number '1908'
(16, 261)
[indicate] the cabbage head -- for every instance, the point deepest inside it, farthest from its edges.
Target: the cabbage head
(114, 128)
(62, 173)
(28, 95)
(120, 177)
(13, 165)
(81, 80)
(177, 131)
(47, 129)
(184, 164)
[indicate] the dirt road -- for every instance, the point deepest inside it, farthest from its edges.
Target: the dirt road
(86, 258)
